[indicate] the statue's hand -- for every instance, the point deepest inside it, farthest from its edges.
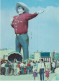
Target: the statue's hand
(11, 21)
(41, 11)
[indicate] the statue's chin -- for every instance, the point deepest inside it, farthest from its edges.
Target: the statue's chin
(21, 12)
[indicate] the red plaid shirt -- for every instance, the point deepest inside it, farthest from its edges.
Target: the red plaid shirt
(20, 22)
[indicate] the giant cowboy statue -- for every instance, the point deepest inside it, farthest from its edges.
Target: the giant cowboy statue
(20, 25)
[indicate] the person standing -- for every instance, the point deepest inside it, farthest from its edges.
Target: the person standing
(3, 68)
(28, 67)
(18, 68)
(41, 69)
(25, 65)
(12, 68)
(20, 25)
(47, 73)
(15, 67)
(7, 68)
(34, 72)
(22, 67)
(31, 66)
(53, 66)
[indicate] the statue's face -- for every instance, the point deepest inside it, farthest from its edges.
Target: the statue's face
(20, 10)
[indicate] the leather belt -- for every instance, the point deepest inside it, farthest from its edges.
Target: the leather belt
(18, 34)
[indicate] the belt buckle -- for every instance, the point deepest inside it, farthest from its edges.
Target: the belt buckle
(17, 34)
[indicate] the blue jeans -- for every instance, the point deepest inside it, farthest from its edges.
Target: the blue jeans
(2, 70)
(31, 68)
(22, 41)
(53, 69)
(22, 70)
(15, 71)
(41, 74)
(6, 70)
(28, 69)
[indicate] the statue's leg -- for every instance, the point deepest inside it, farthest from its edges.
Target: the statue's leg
(24, 41)
(25, 47)
(18, 45)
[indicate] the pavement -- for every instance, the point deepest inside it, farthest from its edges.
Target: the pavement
(27, 77)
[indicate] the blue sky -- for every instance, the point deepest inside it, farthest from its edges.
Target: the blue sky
(43, 30)
(31, 3)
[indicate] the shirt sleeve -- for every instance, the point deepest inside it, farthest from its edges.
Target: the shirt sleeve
(30, 16)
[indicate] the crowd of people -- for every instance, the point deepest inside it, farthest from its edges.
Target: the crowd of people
(30, 67)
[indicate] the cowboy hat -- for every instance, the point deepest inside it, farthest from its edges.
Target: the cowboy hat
(22, 5)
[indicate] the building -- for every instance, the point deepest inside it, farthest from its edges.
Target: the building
(31, 57)
(4, 53)
(56, 56)
(37, 56)
(46, 56)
